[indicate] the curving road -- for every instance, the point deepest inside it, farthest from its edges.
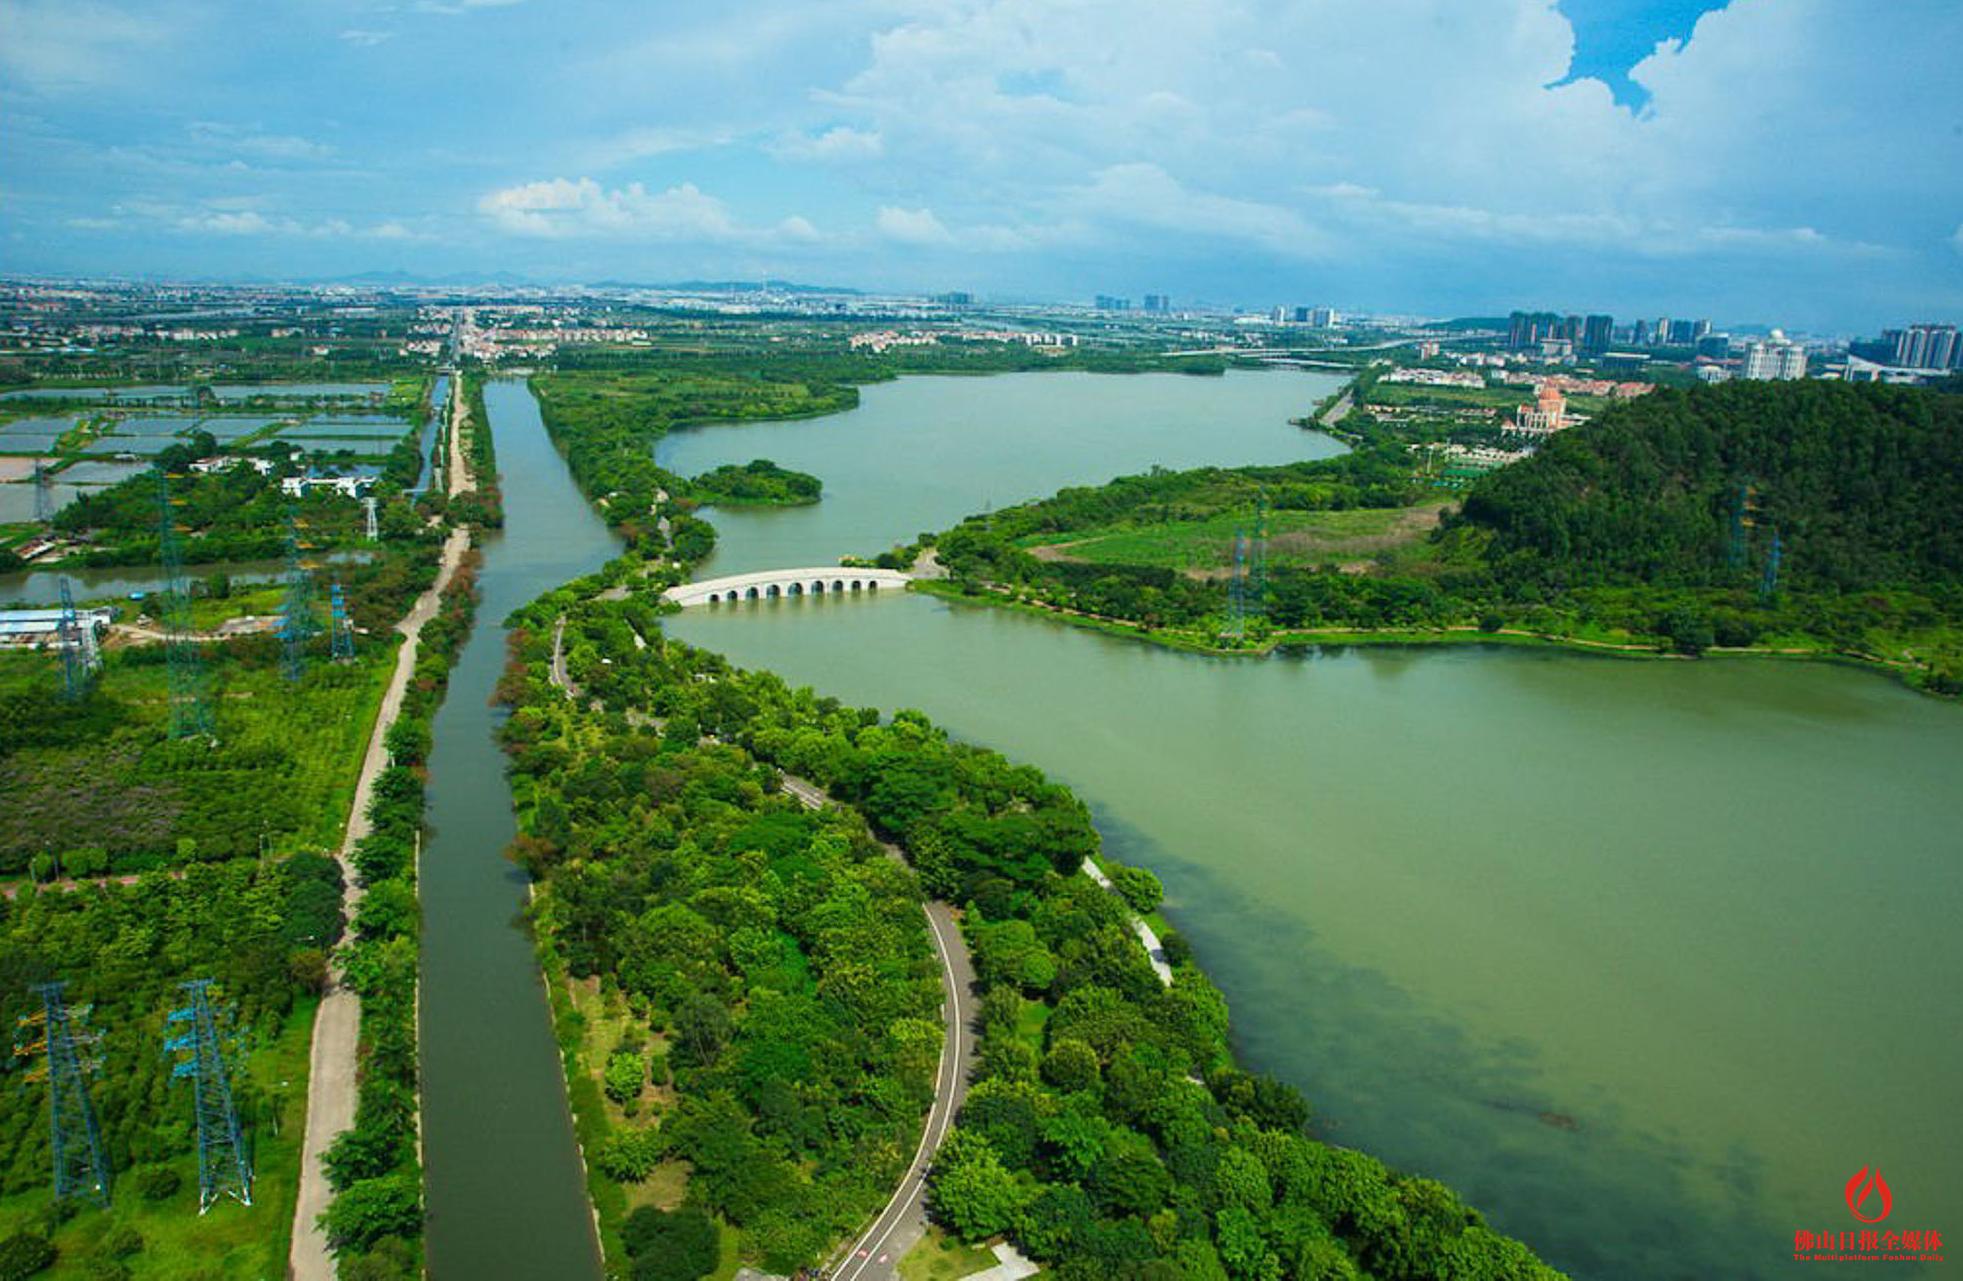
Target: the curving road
(876, 1255)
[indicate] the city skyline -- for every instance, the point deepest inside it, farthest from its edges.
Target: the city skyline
(1753, 162)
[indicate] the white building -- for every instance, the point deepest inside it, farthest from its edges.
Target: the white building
(346, 486)
(1773, 359)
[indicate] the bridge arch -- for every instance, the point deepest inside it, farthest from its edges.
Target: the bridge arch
(774, 584)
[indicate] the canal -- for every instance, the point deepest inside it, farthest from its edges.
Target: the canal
(1646, 959)
(506, 1192)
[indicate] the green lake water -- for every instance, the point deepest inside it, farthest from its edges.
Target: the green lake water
(1645, 958)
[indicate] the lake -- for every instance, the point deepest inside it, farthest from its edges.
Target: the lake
(1644, 958)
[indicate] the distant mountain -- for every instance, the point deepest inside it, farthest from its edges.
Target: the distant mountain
(1472, 322)
(729, 286)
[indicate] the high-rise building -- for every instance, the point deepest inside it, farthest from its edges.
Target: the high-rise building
(1526, 330)
(1700, 331)
(1683, 333)
(1639, 336)
(1158, 304)
(956, 298)
(1107, 302)
(1659, 334)
(1323, 317)
(1925, 346)
(1773, 359)
(1597, 333)
(1301, 315)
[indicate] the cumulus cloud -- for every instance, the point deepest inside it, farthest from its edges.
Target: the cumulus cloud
(912, 226)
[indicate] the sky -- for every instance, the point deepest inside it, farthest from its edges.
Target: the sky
(1789, 162)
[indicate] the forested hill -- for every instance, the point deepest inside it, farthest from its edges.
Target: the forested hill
(1863, 484)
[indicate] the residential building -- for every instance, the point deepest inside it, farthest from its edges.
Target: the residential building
(1597, 334)
(1158, 304)
(1925, 346)
(1773, 359)
(1547, 415)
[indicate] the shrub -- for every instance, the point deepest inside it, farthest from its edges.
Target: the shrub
(120, 1242)
(626, 1074)
(629, 1155)
(158, 1182)
(671, 1245)
(372, 1209)
(1140, 888)
(23, 1254)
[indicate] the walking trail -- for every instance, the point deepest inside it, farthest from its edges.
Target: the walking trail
(331, 1087)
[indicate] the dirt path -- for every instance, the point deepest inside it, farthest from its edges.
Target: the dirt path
(460, 477)
(331, 1089)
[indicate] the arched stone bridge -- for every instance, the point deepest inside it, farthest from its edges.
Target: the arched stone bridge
(769, 584)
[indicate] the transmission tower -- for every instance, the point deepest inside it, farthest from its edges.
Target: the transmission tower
(342, 632)
(1237, 589)
(190, 712)
(79, 657)
(374, 526)
(297, 623)
(44, 492)
(1769, 580)
(56, 1032)
(223, 1168)
(1256, 602)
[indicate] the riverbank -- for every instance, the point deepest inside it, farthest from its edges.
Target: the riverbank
(333, 1093)
(996, 596)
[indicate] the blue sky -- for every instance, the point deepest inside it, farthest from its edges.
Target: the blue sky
(1796, 162)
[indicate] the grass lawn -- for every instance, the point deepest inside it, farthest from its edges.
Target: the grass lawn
(939, 1257)
(1206, 547)
(230, 1240)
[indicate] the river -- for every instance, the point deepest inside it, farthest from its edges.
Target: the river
(1646, 959)
(506, 1192)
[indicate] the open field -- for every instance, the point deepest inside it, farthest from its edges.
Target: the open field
(102, 774)
(1205, 548)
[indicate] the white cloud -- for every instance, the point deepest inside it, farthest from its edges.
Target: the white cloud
(1147, 195)
(454, 7)
(1957, 239)
(248, 141)
(564, 207)
(840, 142)
(798, 230)
(912, 226)
(640, 144)
(56, 46)
(366, 38)
(251, 222)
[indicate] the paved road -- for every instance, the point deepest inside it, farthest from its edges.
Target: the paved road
(558, 673)
(876, 1255)
(331, 1084)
